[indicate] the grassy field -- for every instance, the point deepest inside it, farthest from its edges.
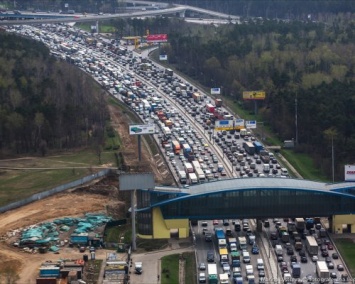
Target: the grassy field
(151, 245)
(190, 267)
(346, 248)
(170, 269)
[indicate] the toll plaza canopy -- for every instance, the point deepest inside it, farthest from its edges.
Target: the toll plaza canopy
(251, 198)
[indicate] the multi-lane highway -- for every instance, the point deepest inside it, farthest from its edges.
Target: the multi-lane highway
(134, 79)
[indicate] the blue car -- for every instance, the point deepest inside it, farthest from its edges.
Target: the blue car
(255, 250)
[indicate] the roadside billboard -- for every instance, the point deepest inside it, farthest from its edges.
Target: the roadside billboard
(250, 124)
(238, 124)
(157, 38)
(138, 129)
(349, 173)
(254, 95)
(215, 91)
(163, 57)
(223, 125)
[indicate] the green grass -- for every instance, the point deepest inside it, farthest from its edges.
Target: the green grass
(346, 248)
(304, 165)
(114, 234)
(107, 28)
(170, 269)
(85, 26)
(190, 267)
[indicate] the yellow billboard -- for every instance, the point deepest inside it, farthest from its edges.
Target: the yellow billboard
(254, 95)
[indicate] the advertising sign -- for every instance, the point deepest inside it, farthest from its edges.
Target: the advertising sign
(157, 38)
(254, 95)
(163, 57)
(349, 172)
(215, 91)
(238, 124)
(223, 125)
(138, 129)
(250, 124)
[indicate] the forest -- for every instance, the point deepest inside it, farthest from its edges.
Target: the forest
(45, 104)
(312, 63)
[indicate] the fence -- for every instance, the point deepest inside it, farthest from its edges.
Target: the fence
(60, 188)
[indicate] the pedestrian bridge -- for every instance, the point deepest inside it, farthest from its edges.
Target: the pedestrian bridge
(238, 198)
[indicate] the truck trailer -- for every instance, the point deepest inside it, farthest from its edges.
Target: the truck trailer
(212, 273)
(311, 245)
(322, 271)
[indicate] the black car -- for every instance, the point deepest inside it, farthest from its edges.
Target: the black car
(304, 259)
(290, 251)
(302, 253)
(210, 256)
(335, 255)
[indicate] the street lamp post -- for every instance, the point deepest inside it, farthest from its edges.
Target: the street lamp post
(296, 119)
(333, 157)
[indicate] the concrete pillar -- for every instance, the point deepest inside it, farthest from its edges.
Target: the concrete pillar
(259, 225)
(182, 14)
(97, 26)
(330, 222)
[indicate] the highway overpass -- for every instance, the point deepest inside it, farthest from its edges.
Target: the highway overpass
(50, 18)
(166, 208)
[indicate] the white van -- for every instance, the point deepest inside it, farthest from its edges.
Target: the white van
(284, 172)
(246, 257)
(260, 264)
(266, 168)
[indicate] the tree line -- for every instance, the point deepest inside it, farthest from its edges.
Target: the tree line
(311, 63)
(44, 103)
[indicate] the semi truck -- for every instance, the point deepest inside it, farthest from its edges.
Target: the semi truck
(242, 243)
(176, 147)
(249, 148)
(322, 271)
(212, 273)
(311, 245)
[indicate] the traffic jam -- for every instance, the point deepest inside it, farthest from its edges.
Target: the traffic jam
(189, 128)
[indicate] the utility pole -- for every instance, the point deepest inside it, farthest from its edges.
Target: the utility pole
(296, 120)
(333, 156)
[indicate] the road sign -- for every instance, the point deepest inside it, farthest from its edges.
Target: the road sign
(138, 129)
(163, 57)
(349, 173)
(254, 95)
(215, 91)
(250, 124)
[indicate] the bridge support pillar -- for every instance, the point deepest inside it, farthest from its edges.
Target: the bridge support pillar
(259, 225)
(97, 26)
(330, 222)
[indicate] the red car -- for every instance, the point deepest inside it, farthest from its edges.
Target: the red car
(215, 222)
(330, 247)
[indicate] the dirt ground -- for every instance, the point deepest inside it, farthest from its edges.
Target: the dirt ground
(71, 203)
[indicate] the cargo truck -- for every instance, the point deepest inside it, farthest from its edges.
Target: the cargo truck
(223, 278)
(218, 102)
(258, 147)
(182, 177)
(311, 245)
(278, 250)
(242, 243)
(322, 271)
(210, 108)
(212, 273)
(235, 255)
(223, 255)
(264, 156)
(193, 178)
(285, 237)
(220, 233)
(296, 270)
(197, 97)
(300, 224)
(222, 243)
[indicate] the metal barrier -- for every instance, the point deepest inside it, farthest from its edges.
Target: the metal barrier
(60, 188)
